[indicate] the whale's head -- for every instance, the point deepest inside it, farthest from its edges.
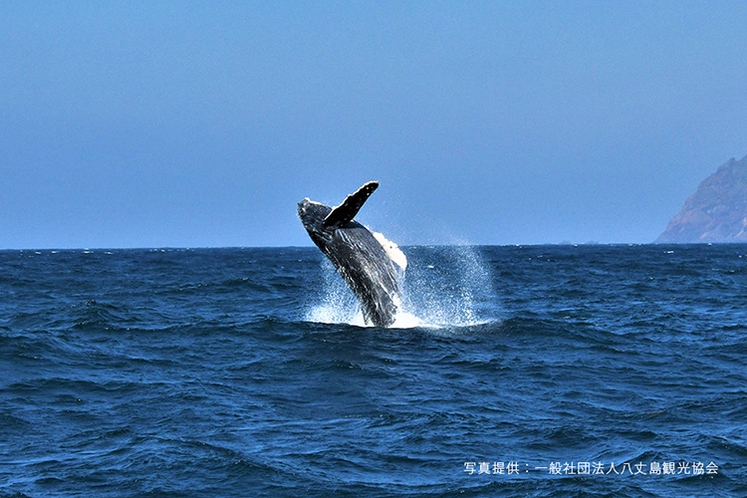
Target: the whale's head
(322, 222)
(317, 217)
(312, 215)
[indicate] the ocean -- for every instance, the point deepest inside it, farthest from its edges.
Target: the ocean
(537, 371)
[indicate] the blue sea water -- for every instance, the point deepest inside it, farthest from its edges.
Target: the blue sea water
(515, 371)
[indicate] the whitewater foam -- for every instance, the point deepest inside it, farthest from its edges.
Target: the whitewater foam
(442, 289)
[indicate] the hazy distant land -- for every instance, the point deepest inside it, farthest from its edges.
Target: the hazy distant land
(716, 212)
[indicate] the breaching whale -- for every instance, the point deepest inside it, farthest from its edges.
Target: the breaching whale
(365, 260)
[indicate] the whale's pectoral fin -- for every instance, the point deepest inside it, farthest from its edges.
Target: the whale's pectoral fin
(346, 211)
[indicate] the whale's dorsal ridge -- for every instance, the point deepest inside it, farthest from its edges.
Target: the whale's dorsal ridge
(347, 210)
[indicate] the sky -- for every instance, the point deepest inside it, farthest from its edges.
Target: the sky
(202, 124)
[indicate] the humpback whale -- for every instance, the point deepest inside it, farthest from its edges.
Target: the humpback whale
(365, 260)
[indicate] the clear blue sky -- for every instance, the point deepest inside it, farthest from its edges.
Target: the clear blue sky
(193, 124)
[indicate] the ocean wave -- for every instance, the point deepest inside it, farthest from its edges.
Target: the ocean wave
(200, 373)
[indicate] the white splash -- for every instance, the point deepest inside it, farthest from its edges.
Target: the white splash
(338, 305)
(444, 288)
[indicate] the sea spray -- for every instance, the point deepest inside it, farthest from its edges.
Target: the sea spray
(448, 286)
(338, 303)
(442, 287)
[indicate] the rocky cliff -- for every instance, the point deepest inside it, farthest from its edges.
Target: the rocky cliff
(716, 212)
